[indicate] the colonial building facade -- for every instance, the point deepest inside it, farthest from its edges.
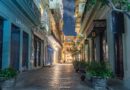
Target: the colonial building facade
(16, 32)
(25, 31)
(105, 35)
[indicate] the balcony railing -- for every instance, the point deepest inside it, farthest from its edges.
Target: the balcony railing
(52, 33)
(29, 9)
(84, 12)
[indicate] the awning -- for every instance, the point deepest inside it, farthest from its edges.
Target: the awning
(53, 42)
(96, 27)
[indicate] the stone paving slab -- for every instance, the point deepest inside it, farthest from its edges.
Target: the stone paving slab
(58, 77)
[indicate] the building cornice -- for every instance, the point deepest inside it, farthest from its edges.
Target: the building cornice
(14, 7)
(88, 23)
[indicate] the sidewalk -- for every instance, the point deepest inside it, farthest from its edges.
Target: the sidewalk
(113, 84)
(117, 85)
(58, 77)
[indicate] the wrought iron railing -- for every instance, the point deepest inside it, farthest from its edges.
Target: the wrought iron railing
(29, 9)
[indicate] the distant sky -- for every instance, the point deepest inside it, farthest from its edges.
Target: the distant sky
(68, 17)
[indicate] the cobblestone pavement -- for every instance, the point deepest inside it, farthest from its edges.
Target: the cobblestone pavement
(58, 77)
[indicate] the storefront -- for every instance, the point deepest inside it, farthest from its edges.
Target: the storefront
(16, 26)
(37, 51)
(25, 50)
(97, 35)
(55, 51)
(118, 30)
(50, 55)
(15, 47)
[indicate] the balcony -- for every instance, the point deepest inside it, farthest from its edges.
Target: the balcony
(29, 9)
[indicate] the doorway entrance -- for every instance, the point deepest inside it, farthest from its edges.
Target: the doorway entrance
(25, 50)
(15, 47)
(37, 51)
(119, 70)
(118, 29)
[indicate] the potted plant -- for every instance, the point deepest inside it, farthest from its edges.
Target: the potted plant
(82, 69)
(80, 66)
(8, 77)
(76, 64)
(99, 73)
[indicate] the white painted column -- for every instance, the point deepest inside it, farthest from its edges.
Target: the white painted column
(110, 41)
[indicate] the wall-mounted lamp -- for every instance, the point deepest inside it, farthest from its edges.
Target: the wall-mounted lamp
(93, 34)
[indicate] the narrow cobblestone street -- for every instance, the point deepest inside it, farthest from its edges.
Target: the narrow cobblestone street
(40, 38)
(58, 77)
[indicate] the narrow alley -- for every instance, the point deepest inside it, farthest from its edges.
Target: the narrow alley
(65, 44)
(58, 77)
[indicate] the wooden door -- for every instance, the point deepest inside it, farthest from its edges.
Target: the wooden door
(119, 70)
(15, 47)
(25, 50)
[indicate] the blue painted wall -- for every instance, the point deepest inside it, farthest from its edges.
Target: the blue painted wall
(20, 14)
